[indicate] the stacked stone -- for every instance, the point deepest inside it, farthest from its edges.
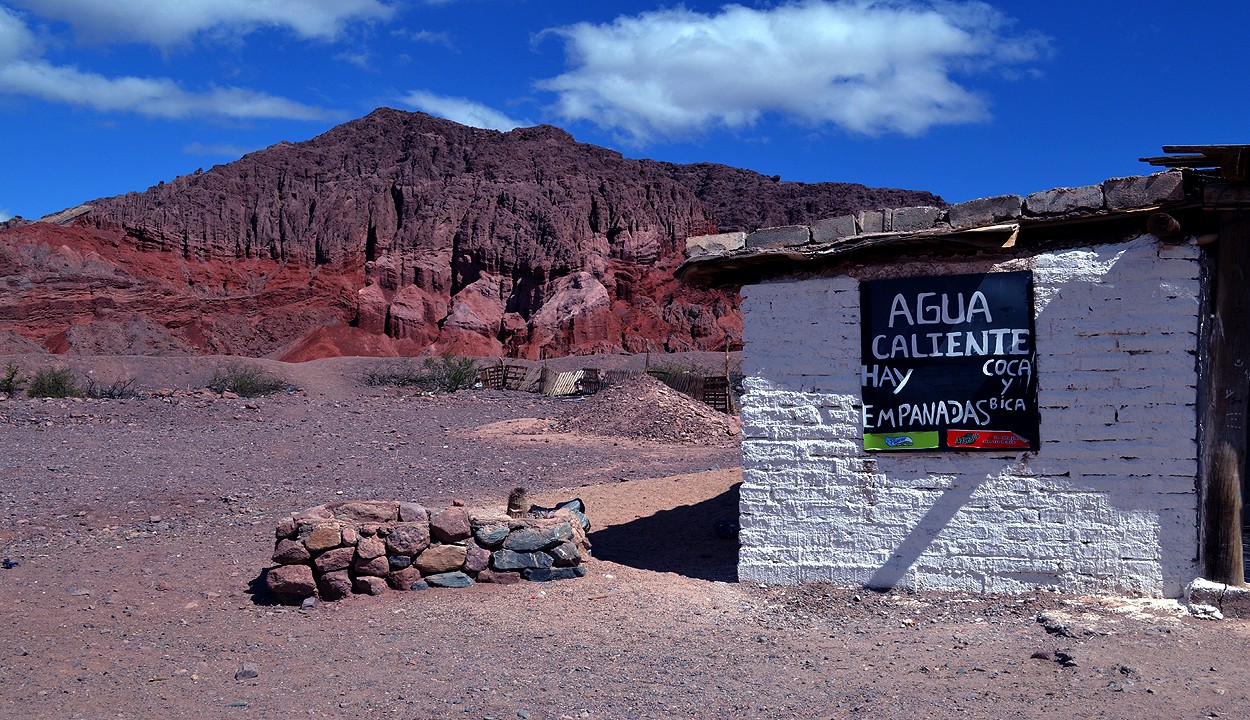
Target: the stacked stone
(366, 547)
(535, 549)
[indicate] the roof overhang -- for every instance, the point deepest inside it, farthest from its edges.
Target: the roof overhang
(1023, 237)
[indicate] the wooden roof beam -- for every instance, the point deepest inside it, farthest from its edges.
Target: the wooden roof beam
(1232, 161)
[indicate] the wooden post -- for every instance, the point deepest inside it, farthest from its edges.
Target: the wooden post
(1227, 402)
(1223, 513)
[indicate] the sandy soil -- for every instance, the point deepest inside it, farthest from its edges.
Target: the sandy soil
(136, 530)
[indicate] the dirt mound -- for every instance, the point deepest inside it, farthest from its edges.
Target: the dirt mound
(12, 343)
(332, 341)
(136, 336)
(643, 408)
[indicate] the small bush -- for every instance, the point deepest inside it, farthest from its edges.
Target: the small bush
(450, 374)
(446, 374)
(50, 383)
(10, 383)
(116, 390)
(246, 380)
(404, 375)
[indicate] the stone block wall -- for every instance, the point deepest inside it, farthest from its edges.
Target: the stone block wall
(334, 550)
(1108, 504)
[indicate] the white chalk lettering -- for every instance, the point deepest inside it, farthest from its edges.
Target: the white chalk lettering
(940, 308)
(899, 307)
(930, 414)
(973, 348)
(903, 382)
(1008, 368)
(886, 417)
(898, 348)
(885, 376)
(1019, 342)
(877, 353)
(1000, 342)
(952, 344)
(998, 339)
(978, 308)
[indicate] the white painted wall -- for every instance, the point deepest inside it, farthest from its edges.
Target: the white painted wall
(1108, 505)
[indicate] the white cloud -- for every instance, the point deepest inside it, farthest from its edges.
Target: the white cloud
(165, 22)
(15, 38)
(461, 110)
(216, 149)
(23, 72)
(360, 60)
(5, 214)
(425, 36)
(154, 97)
(867, 66)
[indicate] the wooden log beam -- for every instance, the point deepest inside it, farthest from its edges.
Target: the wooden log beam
(1163, 226)
(1235, 164)
(1221, 195)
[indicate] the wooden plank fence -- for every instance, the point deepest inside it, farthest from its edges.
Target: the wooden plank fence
(574, 382)
(511, 377)
(716, 393)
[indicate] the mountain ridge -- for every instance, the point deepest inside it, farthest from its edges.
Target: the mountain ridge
(406, 232)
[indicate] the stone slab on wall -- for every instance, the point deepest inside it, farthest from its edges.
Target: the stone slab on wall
(1108, 505)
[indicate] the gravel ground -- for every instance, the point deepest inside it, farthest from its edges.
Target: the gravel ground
(134, 533)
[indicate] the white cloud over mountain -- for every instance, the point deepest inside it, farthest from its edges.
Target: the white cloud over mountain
(866, 66)
(216, 149)
(461, 110)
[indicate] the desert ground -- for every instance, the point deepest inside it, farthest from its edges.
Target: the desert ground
(134, 533)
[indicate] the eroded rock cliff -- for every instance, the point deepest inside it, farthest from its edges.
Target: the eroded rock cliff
(399, 231)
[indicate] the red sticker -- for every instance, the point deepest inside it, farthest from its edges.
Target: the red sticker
(981, 439)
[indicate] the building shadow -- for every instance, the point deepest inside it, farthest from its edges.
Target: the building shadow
(697, 541)
(922, 535)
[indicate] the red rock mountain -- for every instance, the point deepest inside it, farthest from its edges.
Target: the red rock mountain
(395, 233)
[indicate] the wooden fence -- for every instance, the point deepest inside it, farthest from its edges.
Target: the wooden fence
(714, 390)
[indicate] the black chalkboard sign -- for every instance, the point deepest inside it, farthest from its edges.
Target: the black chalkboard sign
(948, 363)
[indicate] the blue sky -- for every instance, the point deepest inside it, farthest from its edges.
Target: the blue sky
(965, 99)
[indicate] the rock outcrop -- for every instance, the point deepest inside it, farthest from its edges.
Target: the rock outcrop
(80, 290)
(399, 232)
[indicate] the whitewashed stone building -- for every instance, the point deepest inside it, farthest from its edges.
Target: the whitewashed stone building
(1092, 481)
